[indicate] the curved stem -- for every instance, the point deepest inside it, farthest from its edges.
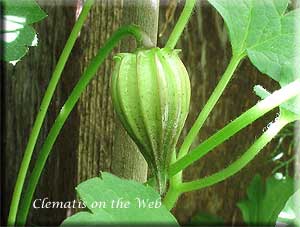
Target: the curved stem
(42, 112)
(69, 105)
(171, 197)
(173, 193)
(258, 145)
(234, 62)
(181, 23)
(278, 97)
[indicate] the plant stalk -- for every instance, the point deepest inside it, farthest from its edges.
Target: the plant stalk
(181, 23)
(236, 166)
(274, 100)
(42, 112)
(213, 99)
(171, 197)
(173, 193)
(66, 109)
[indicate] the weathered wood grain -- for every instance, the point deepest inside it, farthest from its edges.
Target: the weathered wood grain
(24, 87)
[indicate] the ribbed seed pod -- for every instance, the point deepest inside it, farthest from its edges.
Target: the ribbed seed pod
(151, 96)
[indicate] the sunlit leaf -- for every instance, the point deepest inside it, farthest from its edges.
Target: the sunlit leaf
(108, 189)
(18, 34)
(264, 31)
(291, 212)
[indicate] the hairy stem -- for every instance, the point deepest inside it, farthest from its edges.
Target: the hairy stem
(213, 99)
(236, 166)
(42, 112)
(274, 100)
(181, 23)
(68, 107)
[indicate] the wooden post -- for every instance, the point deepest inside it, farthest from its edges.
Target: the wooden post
(103, 143)
(126, 159)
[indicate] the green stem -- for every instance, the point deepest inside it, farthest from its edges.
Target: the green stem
(181, 23)
(234, 62)
(69, 105)
(258, 110)
(258, 145)
(171, 197)
(42, 113)
(173, 193)
(283, 164)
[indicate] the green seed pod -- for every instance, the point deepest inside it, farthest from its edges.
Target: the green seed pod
(151, 95)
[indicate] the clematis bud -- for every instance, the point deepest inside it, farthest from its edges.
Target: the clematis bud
(151, 96)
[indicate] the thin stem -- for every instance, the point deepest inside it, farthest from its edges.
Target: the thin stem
(42, 112)
(181, 23)
(173, 193)
(283, 164)
(277, 98)
(213, 99)
(258, 145)
(69, 105)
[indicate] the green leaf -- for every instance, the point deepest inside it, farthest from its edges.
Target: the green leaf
(100, 195)
(262, 30)
(18, 34)
(290, 214)
(206, 219)
(264, 202)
